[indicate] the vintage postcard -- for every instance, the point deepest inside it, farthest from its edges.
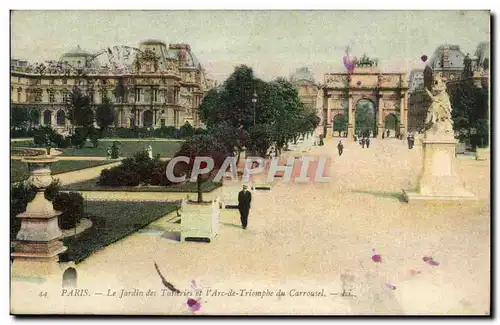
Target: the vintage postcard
(250, 162)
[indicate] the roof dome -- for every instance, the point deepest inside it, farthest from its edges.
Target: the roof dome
(76, 52)
(152, 42)
(302, 74)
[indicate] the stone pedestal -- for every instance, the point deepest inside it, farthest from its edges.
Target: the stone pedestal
(402, 131)
(350, 132)
(380, 131)
(38, 241)
(439, 180)
(200, 220)
(329, 130)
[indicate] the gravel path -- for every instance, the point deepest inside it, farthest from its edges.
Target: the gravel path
(309, 237)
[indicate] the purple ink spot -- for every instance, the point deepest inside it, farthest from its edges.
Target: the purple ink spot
(358, 83)
(349, 63)
(423, 58)
(390, 286)
(194, 305)
(433, 263)
(377, 258)
(427, 259)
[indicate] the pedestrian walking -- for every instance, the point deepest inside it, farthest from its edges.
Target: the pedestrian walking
(244, 199)
(340, 147)
(408, 139)
(388, 133)
(367, 142)
(412, 141)
(363, 143)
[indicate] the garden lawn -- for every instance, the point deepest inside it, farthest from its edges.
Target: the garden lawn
(19, 170)
(188, 187)
(112, 221)
(127, 148)
(22, 144)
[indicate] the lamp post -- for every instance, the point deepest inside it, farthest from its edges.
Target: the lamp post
(254, 101)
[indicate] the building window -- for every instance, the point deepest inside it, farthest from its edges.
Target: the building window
(91, 97)
(155, 95)
(170, 96)
(51, 81)
(60, 117)
(65, 81)
(162, 122)
(65, 96)
(19, 94)
(52, 98)
(47, 117)
(104, 96)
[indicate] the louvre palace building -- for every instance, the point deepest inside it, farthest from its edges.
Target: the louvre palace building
(152, 85)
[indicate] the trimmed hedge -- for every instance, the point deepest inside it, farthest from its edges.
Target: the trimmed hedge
(136, 170)
(169, 132)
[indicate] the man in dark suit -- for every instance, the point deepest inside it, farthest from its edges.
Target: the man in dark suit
(244, 199)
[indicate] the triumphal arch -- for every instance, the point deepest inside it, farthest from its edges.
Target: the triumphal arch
(341, 93)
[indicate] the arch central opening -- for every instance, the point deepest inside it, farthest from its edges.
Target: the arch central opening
(340, 125)
(365, 121)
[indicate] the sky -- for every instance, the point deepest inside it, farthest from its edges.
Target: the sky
(273, 43)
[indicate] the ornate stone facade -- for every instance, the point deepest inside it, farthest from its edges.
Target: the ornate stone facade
(153, 85)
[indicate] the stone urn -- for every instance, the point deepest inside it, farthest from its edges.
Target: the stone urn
(38, 239)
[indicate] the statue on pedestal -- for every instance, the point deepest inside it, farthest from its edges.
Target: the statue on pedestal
(438, 121)
(150, 151)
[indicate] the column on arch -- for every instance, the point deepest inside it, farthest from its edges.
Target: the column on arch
(351, 119)
(380, 118)
(402, 117)
(329, 124)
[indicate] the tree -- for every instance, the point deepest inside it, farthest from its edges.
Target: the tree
(186, 130)
(470, 106)
(365, 116)
(19, 117)
(276, 117)
(78, 109)
(105, 115)
(339, 124)
(204, 145)
(233, 139)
